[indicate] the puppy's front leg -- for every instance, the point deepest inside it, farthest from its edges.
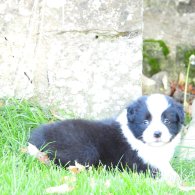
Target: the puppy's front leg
(169, 175)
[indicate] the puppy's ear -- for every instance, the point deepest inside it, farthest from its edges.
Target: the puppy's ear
(133, 108)
(131, 111)
(180, 111)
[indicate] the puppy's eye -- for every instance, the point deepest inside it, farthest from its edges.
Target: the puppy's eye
(166, 121)
(146, 122)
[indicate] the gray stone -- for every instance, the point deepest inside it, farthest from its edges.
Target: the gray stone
(158, 83)
(81, 56)
(148, 85)
(186, 6)
(171, 21)
(162, 83)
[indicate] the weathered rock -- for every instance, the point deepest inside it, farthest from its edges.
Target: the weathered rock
(84, 56)
(161, 79)
(148, 85)
(158, 83)
(174, 21)
(155, 56)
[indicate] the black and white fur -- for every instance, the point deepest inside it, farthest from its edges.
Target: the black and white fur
(143, 136)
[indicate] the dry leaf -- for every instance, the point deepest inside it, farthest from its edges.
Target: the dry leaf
(186, 188)
(34, 151)
(70, 179)
(77, 168)
(73, 169)
(59, 189)
(69, 182)
(24, 150)
(43, 158)
(107, 183)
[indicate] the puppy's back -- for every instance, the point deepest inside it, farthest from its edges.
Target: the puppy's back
(81, 140)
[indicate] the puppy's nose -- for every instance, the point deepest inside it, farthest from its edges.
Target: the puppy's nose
(157, 134)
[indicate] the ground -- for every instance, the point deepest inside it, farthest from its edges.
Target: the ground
(23, 174)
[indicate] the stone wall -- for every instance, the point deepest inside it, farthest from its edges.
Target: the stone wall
(79, 55)
(172, 21)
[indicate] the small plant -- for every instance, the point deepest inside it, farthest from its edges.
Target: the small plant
(183, 56)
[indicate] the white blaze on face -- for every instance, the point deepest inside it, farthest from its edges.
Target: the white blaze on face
(156, 105)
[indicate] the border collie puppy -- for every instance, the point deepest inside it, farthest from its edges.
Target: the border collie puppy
(143, 137)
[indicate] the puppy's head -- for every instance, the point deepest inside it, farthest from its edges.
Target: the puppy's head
(155, 119)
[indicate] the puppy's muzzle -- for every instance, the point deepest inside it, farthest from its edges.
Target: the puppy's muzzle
(157, 134)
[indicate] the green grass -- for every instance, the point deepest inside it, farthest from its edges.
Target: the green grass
(23, 174)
